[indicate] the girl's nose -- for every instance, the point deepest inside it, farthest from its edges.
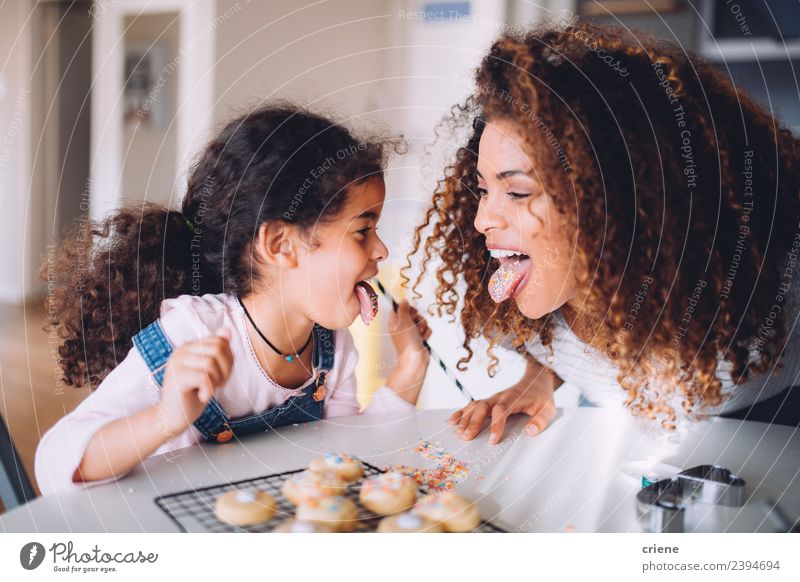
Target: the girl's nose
(379, 250)
(487, 217)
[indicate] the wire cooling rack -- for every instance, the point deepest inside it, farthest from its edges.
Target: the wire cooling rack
(193, 510)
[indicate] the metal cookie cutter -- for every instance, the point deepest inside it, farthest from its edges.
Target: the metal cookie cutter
(712, 485)
(664, 502)
(663, 505)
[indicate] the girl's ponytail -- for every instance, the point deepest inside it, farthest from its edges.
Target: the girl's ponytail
(107, 282)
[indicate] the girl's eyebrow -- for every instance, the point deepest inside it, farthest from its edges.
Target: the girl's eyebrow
(368, 214)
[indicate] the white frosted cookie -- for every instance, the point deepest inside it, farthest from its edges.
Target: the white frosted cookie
(347, 467)
(389, 492)
(337, 513)
(408, 522)
(299, 526)
(454, 512)
(245, 507)
(308, 485)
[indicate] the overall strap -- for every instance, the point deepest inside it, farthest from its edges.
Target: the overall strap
(155, 349)
(324, 349)
(324, 352)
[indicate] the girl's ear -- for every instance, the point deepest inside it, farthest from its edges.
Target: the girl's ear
(276, 244)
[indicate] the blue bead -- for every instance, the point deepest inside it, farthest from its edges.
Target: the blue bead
(289, 358)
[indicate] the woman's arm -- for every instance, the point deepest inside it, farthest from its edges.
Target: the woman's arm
(532, 395)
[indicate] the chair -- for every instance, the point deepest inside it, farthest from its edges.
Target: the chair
(15, 487)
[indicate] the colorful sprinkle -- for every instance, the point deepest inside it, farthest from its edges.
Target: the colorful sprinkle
(446, 472)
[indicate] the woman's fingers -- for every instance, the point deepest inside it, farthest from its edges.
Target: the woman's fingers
(476, 420)
(541, 417)
(500, 414)
(455, 417)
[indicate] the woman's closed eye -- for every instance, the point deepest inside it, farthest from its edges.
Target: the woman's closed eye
(483, 193)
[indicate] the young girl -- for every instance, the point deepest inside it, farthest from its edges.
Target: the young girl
(635, 235)
(237, 305)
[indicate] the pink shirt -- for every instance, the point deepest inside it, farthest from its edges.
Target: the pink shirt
(128, 389)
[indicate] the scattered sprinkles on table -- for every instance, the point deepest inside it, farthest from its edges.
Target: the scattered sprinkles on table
(443, 476)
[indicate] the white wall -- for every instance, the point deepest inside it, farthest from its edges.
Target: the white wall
(16, 52)
(150, 159)
(332, 53)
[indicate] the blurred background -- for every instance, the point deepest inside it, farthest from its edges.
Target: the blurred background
(105, 102)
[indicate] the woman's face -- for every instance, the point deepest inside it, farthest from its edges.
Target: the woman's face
(522, 227)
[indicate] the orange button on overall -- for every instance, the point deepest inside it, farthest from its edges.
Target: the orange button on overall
(225, 436)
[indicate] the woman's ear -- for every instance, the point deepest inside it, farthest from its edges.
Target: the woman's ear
(276, 244)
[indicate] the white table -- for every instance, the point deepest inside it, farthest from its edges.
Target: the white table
(568, 478)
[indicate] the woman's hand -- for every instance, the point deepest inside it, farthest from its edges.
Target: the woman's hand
(408, 330)
(194, 371)
(533, 395)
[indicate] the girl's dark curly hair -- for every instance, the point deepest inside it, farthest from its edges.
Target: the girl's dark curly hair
(108, 279)
(664, 171)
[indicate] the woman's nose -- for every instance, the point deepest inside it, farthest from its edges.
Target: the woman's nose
(487, 217)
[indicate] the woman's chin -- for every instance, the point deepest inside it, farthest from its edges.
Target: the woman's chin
(530, 308)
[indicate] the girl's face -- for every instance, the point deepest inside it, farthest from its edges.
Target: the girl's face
(522, 227)
(346, 252)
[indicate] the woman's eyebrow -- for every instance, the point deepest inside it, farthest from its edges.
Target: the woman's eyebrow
(507, 174)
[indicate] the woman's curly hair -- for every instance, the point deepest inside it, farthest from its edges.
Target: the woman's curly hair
(277, 163)
(665, 172)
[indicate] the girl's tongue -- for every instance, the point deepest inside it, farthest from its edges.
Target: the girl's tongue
(368, 300)
(504, 281)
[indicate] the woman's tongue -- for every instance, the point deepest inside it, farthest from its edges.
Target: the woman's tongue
(505, 279)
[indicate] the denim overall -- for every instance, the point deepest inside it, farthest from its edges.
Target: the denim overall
(214, 424)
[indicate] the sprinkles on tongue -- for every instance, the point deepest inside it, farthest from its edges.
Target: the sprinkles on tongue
(504, 278)
(367, 300)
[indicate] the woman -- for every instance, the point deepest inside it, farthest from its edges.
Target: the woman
(629, 220)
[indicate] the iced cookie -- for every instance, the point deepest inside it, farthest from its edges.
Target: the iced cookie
(388, 493)
(454, 512)
(408, 523)
(245, 507)
(347, 467)
(299, 526)
(309, 484)
(337, 513)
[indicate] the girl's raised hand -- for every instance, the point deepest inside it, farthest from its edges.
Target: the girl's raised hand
(408, 330)
(194, 371)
